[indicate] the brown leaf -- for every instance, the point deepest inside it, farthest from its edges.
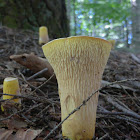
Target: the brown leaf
(15, 123)
(29, 134)
(4, 134)
(21, 134)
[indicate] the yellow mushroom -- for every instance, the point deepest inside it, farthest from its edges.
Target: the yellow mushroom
(43, 35)
(78, 63)
(11, 86)
(112, 43)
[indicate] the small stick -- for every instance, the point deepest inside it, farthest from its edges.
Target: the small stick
(103, 137)
(37, 74)
(42, 111)
(43, 83)
(29, 121)
(31, 108)
(124, 119)
(120, 107)
(3, 100)
(30, 98)
(117, 113)
(135, 58)
(3, 119)
(30, 84)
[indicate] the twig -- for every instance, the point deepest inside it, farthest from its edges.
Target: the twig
(84, 103)
(129, 111)
(3, 100)
(43, 84)
(103, 137)
(29, 121)
(12, 115)
(105, 132)
(122, 81)
(37, 74)
(30, 84)
(136, 97)
(42, 111)
(129, 96)
(30, 98)
(135, 58)
(31, 108)
(117, 113)
(122, 118)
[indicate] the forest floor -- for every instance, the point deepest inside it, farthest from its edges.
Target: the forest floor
(118, 113)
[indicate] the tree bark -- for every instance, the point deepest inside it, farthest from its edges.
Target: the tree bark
(31, 14)
(127, 34)
(136, 24)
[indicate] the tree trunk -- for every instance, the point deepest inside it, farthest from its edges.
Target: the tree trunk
(31, 14)
(127, 34)
(136, 24)
(68, 5)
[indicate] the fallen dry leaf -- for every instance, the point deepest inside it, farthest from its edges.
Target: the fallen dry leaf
(29, 134)
(15, 123)
(4, 134)
(21, 134)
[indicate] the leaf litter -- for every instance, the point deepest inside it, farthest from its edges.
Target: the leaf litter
(39, 113)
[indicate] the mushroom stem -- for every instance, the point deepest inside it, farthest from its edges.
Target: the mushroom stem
(11, 86)
(78, 63)
(43, 35)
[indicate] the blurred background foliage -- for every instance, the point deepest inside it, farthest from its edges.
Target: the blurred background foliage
(108, 19)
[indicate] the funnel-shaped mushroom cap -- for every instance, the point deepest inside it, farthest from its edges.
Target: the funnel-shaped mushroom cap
(78, 63)
(43, 35)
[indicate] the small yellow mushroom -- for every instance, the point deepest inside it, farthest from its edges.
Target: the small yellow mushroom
(78, 63)
(112, 43)
(11, 86)
(43, 35)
